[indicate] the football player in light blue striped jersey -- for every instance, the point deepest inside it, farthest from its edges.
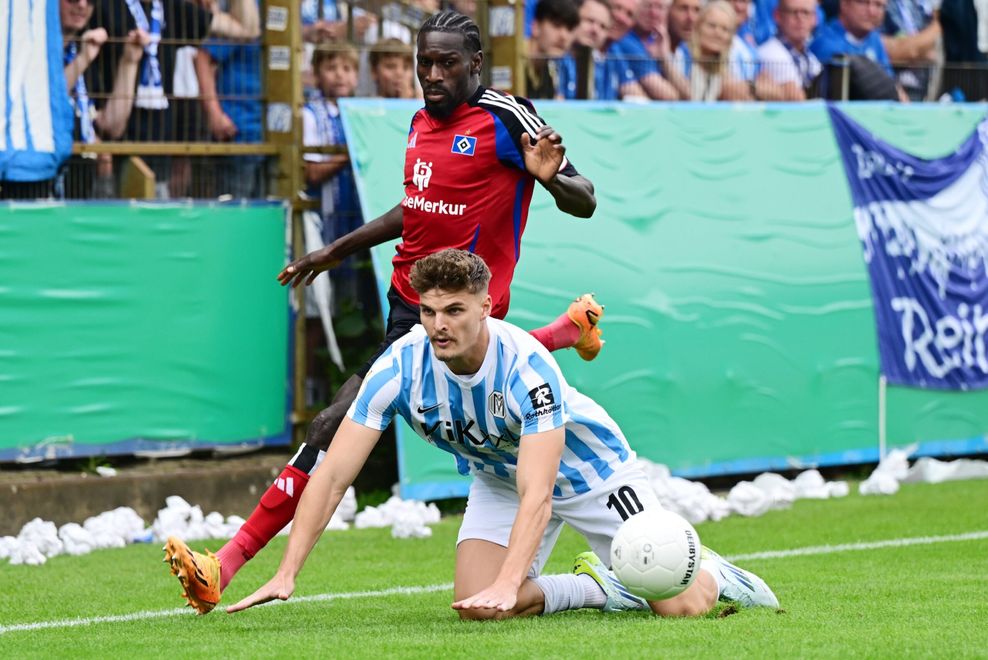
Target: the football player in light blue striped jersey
(541, 454)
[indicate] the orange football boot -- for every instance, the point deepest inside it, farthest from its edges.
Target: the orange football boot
(586, 314)
(198, 573)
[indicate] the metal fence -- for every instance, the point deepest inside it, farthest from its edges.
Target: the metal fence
(582, 76)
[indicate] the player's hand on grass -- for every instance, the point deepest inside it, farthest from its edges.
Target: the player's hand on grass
(543, 154)
(279, 587)
(499, 596)
(308, 267)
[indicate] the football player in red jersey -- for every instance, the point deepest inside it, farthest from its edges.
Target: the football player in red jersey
(472, 159)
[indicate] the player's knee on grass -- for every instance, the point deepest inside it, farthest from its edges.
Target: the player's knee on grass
(697, 600)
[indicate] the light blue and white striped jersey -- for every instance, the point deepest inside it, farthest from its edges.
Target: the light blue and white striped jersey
(519, 390)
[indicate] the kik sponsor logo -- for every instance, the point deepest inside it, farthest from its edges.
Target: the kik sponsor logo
(466, 433)
(543, 402)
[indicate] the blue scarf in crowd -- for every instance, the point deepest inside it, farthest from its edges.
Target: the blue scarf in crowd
(83, 106)
(150, 90)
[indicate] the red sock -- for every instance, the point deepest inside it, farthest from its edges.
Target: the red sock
(561, 333)
(275, 510)
(232, 557)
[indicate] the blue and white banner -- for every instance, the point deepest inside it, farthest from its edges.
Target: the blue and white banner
(36, 117)
(923, 226)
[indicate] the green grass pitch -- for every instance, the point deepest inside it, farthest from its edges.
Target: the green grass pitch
(888, 602)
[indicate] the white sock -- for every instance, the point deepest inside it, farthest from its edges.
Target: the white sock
(593, 595)
(567, 592)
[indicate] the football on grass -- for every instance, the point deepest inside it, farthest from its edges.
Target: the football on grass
(656, 554)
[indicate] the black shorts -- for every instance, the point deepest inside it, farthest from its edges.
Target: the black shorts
(401, 317)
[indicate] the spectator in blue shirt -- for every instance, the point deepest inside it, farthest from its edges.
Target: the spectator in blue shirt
(592, 35)
(853, 32)
(230, 85)
(646, 49)
(744, 54)
(632, 63)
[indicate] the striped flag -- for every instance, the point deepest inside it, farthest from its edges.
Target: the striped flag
(36, 117)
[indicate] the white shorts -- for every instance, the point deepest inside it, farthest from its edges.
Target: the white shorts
(493, 504)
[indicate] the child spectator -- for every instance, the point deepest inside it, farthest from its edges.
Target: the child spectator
(335, 68)
(391, 64)
(330, 176)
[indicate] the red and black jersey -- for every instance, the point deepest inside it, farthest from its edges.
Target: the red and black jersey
(466, 187)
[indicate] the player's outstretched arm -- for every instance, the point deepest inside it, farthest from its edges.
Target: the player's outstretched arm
(538, 465)
(387, 227)
(543, 159)
(347, 454)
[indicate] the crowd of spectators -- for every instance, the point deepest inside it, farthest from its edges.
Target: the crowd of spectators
(768, 50)
(191, 70)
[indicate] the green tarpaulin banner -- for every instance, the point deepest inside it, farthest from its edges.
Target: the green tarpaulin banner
(141, 328)
(739, 324)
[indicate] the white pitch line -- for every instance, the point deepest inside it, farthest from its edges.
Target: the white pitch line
(396, 591)
(157, 614)
(865, 545)
(71, 623)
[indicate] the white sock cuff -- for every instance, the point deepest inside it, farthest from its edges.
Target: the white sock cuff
(561, 592)
(307, 458)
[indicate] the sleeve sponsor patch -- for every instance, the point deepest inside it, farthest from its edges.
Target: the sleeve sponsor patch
(543, 402)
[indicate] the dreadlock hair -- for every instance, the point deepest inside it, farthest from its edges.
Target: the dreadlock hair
(454, 21)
